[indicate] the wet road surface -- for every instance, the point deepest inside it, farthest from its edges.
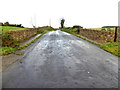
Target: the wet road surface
(61, 60)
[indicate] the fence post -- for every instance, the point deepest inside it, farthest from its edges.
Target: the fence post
(115, 35)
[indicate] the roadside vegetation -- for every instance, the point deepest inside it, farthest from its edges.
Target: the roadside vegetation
(26, 45)
(10, 45)
(112, 48)
(109, 47)
(6, 50)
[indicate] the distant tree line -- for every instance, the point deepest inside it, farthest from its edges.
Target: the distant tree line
(8, 24)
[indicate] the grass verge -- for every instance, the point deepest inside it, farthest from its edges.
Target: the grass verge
(6, 50)
(112, 48)
(109, 47)
(26, 45)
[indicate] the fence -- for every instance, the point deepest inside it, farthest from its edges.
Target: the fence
(99, 36)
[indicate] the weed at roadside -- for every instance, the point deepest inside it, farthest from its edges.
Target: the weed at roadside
(6, 50)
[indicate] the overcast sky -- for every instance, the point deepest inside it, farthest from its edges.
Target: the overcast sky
(87, 13)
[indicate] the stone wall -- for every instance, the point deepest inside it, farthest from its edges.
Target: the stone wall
(21, 35)
(98, 36)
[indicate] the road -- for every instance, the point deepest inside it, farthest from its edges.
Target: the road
(62, 60)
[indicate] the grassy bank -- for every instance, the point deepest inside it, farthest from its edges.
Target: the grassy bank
(109, 47)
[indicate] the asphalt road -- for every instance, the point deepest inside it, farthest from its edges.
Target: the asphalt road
(61, 60)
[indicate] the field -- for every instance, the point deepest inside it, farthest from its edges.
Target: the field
(106, 29)
(9, 28)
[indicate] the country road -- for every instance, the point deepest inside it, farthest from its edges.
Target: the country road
(62, 60)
